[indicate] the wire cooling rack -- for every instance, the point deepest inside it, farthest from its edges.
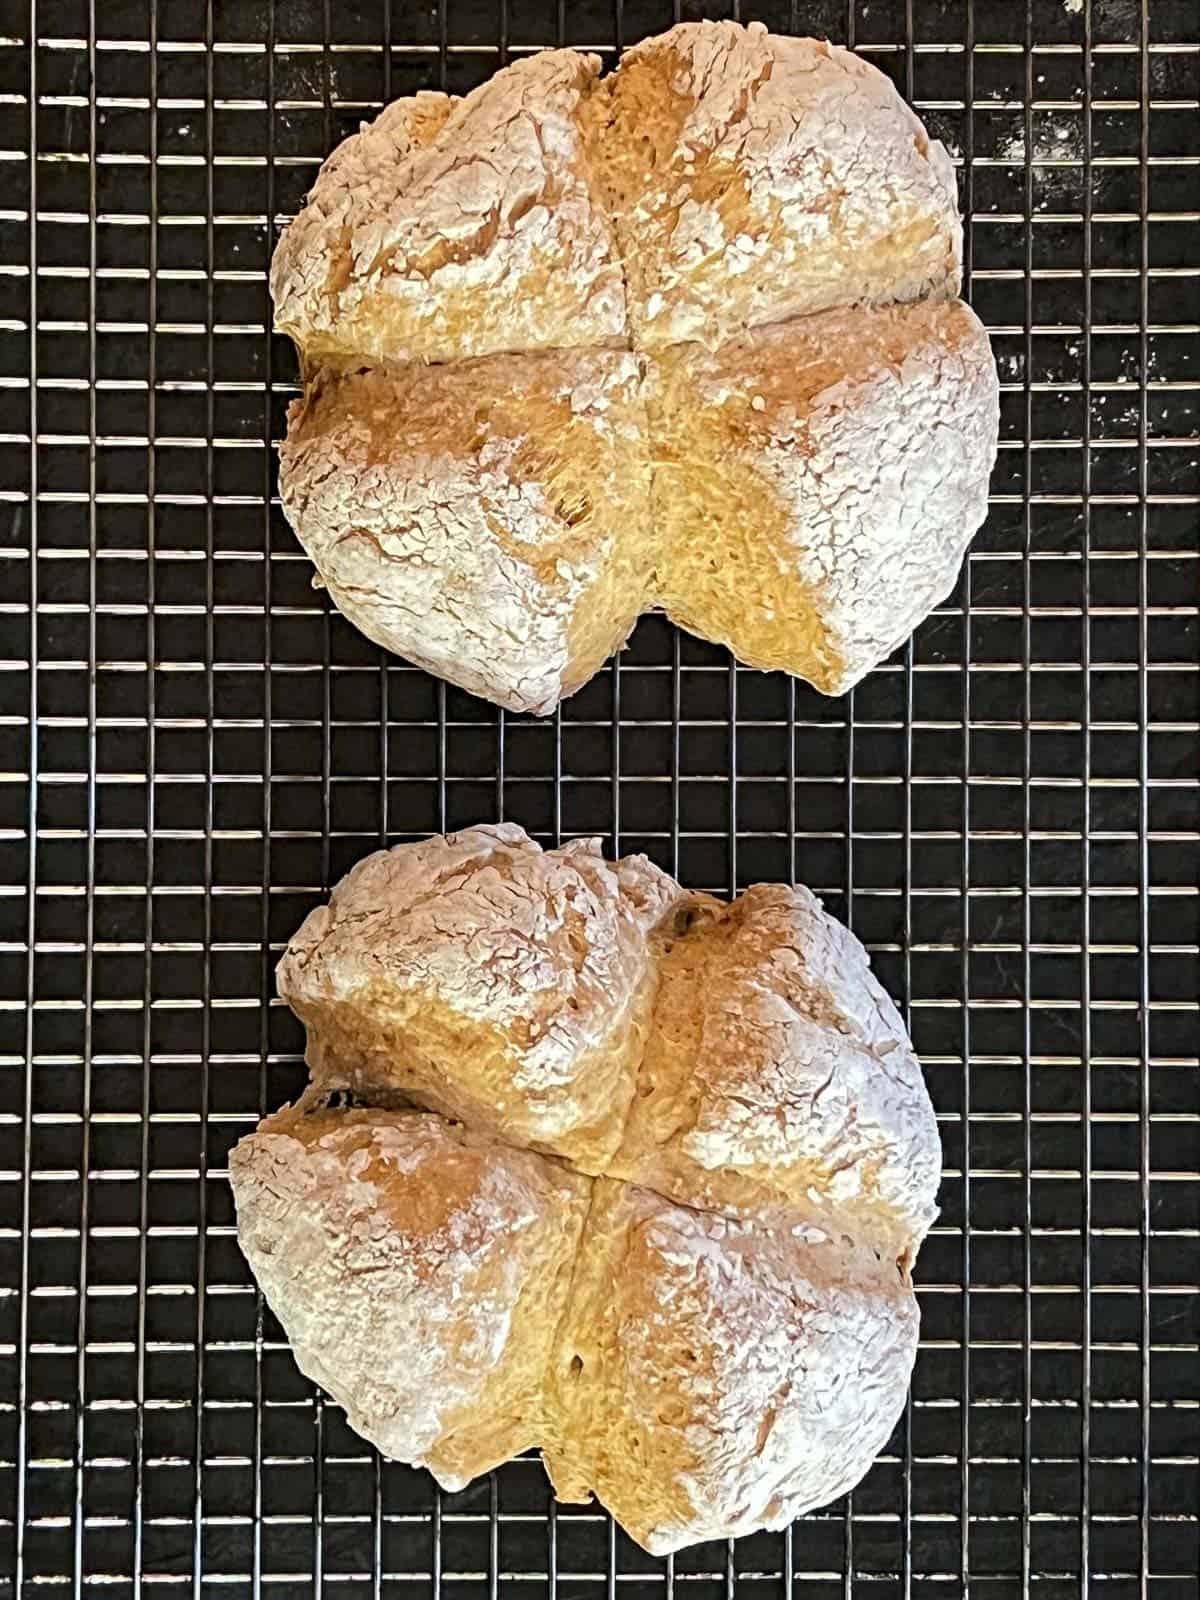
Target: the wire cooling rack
(194, 748)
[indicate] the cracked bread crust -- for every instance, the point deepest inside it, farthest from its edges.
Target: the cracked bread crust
(817, 483)
(452, 228)
(727, 1333)
(368, 1229)
(488, 520)
(776, 1071)
(754, 178)
(716, 1376)
(710, 205)
(487, 978)
(750, 178)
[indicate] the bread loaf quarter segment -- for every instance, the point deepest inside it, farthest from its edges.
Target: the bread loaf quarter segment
(713, 1376)
(817, 483)
(754, 178)
(488, 520)
(488, 979)
(449, 229)
(777, 1072)
(420, 1271)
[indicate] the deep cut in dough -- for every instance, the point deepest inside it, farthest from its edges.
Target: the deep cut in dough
(632, 1175)
(804, 495)
(696, 347)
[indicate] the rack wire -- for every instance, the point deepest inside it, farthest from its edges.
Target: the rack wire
(194, 748)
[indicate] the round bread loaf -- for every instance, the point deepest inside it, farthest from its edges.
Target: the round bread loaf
(650, 392)
(631, 1175)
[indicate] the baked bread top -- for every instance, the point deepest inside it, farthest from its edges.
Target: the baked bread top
(421, 1269)
(452, 228)
(753, 178)
(816, 482)
(748, 178)
(682, 337)
(632, 1175)
(483, 976)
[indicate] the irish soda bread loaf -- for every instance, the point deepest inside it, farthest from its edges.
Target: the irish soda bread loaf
(650, 388)
(592, 1164)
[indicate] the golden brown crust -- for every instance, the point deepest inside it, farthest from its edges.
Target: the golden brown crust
(803, 495)
(777, 1071)
(754, 178)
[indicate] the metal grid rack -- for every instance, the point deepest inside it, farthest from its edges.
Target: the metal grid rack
(195, 748)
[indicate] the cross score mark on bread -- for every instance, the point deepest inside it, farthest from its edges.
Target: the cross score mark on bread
(683, 337)
(657, 1212)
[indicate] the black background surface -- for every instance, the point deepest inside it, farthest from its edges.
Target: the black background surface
(193, 748)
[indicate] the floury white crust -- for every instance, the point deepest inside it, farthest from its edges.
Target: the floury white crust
(480, 974)
(452, 228)
(418, 1268)
(754, 178)
(818, 482)
(485, 519)
(639, 1179)
(717, 1376)
(504, 516)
